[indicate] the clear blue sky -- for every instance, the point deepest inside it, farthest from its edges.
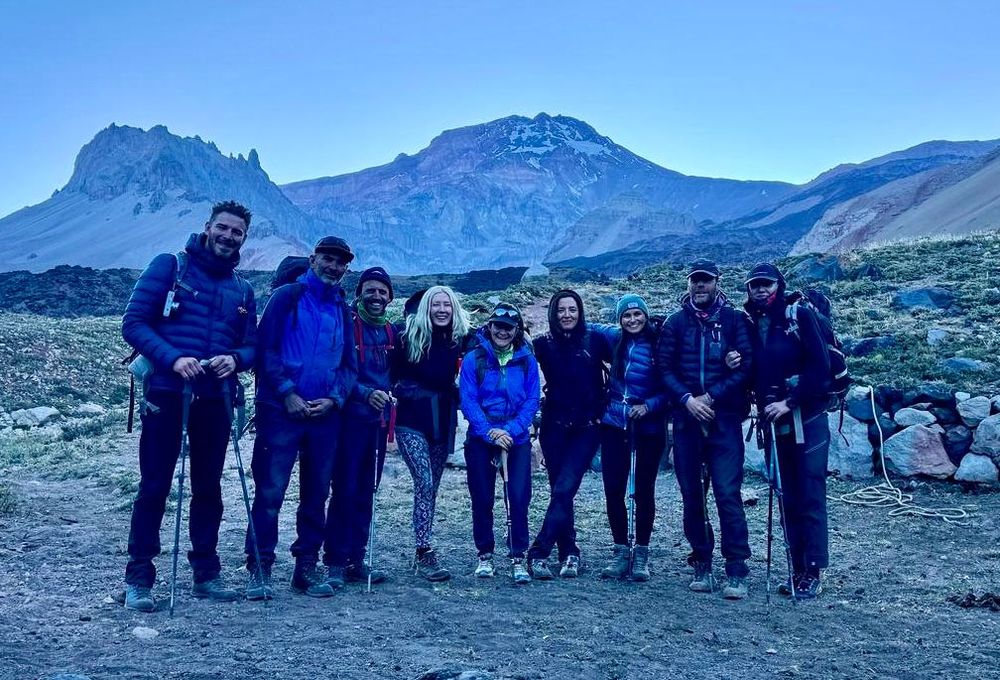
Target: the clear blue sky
(751, 90)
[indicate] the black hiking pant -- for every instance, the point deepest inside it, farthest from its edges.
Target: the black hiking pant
(803, 479)
(568, 451)
(281, 440)
(712, 454)
(159, 448)
(482, 460)
(349, 514)
(615, 464)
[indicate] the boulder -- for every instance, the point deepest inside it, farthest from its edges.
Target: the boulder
(962, 396)
(866, 346)
(905, 417)
(34, 417)
(957, 441)
(995, 405)
(934, 392)
(890, 398)
(976, 468)
(888, 426)
(89, 409)
(930, 297)
(974, 411)
(753, 458)
(535, 271)
(859, 404)
(944, 415)
(935, 336)
(986, 441)
(918, 450)
(965, 365)
(851, 459)
(818, 268)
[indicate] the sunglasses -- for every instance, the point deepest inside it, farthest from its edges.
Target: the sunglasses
(760, 283)
(501, 312)
(701, 278)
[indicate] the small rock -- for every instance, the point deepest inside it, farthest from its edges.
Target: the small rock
(962, 396)
(918, 450)
(90, 409)
(931, 297)
(965, 365)
(749, 496)
(973, 410)
(935, 336)
(33, 417)
(976, 468)
(69, 676)
(905, 417)
(144, 633)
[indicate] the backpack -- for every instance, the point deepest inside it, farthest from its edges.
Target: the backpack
(359, 337)
(140, 367)
(811, 298)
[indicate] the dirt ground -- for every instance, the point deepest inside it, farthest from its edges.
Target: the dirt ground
(885, 612)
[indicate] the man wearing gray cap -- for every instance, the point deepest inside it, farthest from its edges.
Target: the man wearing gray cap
(710, 401)
(306, 369)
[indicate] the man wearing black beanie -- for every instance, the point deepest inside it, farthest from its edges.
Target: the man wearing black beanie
(363, 443)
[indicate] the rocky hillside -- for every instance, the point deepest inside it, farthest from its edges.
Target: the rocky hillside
(134, 194)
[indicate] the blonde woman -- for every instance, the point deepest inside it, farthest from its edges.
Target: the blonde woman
(425, 366)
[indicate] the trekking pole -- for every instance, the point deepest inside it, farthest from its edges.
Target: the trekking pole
(186, 398)
(770, 528)
(781, 511)
(370, 556)
(631, 494)
(506, 499)
(235, 431)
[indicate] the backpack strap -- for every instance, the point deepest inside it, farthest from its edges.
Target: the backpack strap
(359, 338)
(792, 319)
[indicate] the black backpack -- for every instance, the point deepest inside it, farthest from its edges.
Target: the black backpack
(840, 378)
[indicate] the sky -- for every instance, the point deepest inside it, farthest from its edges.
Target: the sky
(775, 90)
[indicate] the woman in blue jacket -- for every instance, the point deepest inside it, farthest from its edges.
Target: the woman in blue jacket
(634, 417)
(499, 391)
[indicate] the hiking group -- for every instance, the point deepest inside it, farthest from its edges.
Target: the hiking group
(335, 381)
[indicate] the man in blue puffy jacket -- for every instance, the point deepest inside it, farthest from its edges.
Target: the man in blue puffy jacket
(306, 369)
(362, 444)
(194, 320)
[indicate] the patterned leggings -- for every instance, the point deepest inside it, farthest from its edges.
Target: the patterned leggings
(426, 465)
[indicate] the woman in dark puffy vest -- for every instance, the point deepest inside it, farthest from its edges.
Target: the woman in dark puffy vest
(791, 382)
(634, 417)
(571, 356)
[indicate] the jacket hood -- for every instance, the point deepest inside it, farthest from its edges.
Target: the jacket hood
(554, 329)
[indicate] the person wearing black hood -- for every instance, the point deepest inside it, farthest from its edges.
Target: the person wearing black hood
(571, 357)
(791, 379)
(710, 401)
(194, 321)
(362, 445)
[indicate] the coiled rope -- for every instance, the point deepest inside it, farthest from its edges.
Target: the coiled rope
(886, 495)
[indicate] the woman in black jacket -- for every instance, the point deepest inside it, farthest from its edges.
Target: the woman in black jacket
(425, 366)
(791, 382)
(571, 357)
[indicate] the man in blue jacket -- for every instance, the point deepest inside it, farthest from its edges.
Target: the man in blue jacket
(194, 321)
(363, 443)
(710, 402)
(305, 371)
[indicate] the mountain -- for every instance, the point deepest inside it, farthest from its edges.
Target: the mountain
(953, 199)
(134, 194)
(508, 191)
(845, 194)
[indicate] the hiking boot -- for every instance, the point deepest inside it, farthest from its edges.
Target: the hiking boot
(640, 563)
(808, 588)
(619, 563)
(540, 570)
(735, 588)
(214, 589)
(139, 598)
(335, 577)
(358, 573)
(703, 581)
(485, 567)
(426, 565)
(519, 570)
(259, 584)
(308, 579)
(571, 567)
(785, 588)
